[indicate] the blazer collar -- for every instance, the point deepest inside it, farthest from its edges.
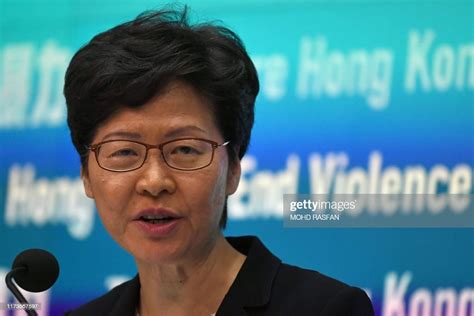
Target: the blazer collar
(253, 284)
(127, 303)
(251, 288)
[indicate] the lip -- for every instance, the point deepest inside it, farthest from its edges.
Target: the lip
(159, 230)
(160, 211)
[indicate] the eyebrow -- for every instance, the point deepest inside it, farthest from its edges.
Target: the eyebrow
(174, 132)
(123, 134)
(183, 130)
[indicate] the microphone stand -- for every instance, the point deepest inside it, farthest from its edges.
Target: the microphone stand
(21, 299)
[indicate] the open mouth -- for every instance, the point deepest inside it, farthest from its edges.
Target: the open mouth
(156, 219)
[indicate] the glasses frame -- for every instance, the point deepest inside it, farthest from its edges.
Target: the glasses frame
(96, 147)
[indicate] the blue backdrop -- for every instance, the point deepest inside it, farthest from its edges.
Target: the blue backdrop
(356, 96)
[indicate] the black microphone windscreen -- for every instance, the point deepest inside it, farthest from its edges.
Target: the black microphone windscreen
(42, 270)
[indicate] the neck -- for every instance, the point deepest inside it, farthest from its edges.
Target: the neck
(193, 287)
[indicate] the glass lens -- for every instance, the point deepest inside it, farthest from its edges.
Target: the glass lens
(121, 155)
(188, 153)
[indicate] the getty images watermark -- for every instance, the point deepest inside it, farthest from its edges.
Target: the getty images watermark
(378, 210)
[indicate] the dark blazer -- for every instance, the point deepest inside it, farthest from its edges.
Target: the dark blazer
(264, 286)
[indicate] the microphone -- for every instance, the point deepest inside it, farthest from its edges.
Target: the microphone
(34, 270)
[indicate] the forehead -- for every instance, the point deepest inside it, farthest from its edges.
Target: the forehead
(178, 105)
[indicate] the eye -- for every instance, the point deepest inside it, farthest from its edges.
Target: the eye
(185, 150)
(124, 152)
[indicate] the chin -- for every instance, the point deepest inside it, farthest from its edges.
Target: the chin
(154, 252)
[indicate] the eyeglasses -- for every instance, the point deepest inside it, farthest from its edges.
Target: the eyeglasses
(182, 154)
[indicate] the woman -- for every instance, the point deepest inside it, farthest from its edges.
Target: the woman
(161, 114)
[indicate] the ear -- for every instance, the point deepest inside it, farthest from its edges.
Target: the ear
(233, 176)
(87, 183)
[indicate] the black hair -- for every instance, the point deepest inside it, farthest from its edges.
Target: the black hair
(131, 63)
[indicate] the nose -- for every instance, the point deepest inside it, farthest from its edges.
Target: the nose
(155, 176)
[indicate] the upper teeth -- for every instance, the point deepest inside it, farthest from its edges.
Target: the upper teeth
(154, 216)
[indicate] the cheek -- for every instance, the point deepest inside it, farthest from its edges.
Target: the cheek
(208, 196)
(111, 195)
(220, 186)
(218, 195)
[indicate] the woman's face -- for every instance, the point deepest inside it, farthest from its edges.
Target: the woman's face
(194, 199)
